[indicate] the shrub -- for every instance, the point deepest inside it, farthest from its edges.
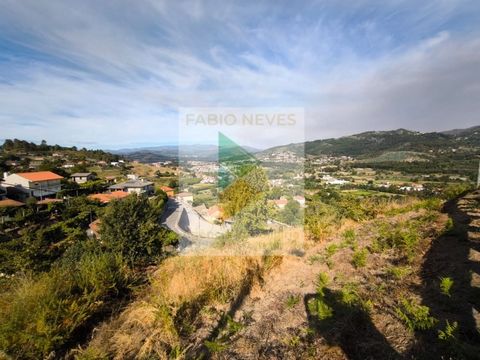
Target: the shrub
(446, 284)
(415, 316)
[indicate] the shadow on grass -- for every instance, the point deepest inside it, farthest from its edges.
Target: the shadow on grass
(349, 327)
(450, 256)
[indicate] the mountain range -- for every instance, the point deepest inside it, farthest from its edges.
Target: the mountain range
(366, 145)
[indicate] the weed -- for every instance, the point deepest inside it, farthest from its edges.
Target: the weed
(330, 250)
(446, 284)
(403, 237)
(292, 301)
(449, 227)
(359, 258)
(317, 258)
(319, 308)
(349, 239)
(215, 346)
(415, 316)
(293, 341)
(399, 272)
(322, 282)
(449, 334)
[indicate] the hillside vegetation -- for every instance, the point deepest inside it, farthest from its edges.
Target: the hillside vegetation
(371, 283)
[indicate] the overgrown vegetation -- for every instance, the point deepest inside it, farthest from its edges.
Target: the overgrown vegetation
(61, 293)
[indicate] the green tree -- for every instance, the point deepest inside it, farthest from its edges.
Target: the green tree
(131, 227)
(292, 213)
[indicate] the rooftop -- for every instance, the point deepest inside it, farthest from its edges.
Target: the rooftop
(40, 176)
(10, 203)
(107, 197)
(81, 174)
(131, 184)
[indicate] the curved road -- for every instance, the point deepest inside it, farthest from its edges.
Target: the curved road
(171, 218)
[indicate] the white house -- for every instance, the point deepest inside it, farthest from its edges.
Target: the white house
(134, 186)
(81, 178)
(38, 184)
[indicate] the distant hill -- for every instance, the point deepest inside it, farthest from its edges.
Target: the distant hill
(173, 152)
(373, 144)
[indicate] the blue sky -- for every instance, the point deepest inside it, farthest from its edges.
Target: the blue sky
(114, 74)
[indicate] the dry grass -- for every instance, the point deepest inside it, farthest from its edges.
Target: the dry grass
(181, 290)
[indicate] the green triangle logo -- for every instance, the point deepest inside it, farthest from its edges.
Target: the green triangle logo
(233, 160)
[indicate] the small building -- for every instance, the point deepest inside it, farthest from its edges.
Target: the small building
(133, 177)
(168, 190)
(3, 193)
(185, 197)
(134, 186)
(37, 184)
(81, 178)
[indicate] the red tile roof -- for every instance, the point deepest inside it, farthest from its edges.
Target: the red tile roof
(166, 188)
(40, 176)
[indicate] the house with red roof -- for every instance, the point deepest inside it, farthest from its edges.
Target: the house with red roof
(38, 184)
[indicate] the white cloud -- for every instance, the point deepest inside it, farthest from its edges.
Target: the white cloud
(115, 74)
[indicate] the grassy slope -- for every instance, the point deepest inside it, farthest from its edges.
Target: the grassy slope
(234, 307)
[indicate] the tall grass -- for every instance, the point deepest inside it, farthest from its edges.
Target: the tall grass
(185, 292)
(39, 314)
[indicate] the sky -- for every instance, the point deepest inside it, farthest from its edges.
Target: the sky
(115, 74)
